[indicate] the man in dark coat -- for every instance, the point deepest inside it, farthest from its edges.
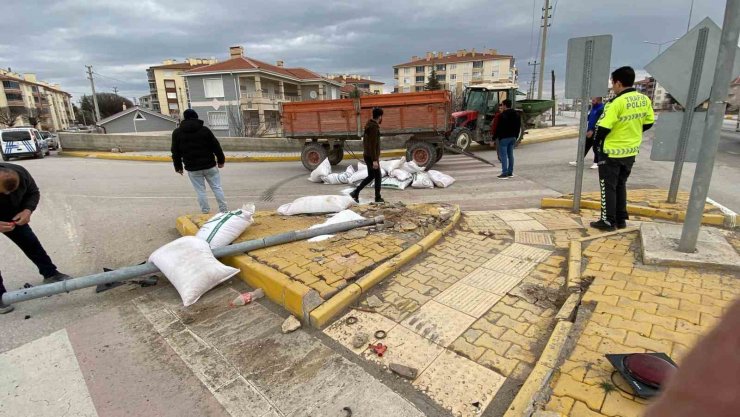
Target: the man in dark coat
(196, 146)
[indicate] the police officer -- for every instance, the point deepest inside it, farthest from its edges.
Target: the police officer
(619, 135)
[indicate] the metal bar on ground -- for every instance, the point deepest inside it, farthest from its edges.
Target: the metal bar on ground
(715, 117)
(585, 98)
(688, 117)
(131, 272)
(468, 154)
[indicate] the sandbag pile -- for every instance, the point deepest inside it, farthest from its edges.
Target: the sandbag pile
(398, 174)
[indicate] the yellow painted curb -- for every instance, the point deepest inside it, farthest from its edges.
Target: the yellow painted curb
(574, 266)
(278, 287)
(524, 402)
(568, 309)
(156, 158)
(327, 311)
(676, 216)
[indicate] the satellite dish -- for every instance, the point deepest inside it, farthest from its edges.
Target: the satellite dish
(313, 94)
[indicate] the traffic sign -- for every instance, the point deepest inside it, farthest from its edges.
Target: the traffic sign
(600, 47)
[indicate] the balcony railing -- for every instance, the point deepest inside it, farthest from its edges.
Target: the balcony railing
(271, 97)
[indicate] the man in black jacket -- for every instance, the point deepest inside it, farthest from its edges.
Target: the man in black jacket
(19, 197)
(195, 145)
(371, 154)
(507, 132)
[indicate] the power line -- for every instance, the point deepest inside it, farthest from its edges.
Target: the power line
(531, 34)
(110, 78)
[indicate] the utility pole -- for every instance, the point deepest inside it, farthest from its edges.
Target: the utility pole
(554, 106)
(94, 96)
(546, 18)
(115, 90)
(530, 93)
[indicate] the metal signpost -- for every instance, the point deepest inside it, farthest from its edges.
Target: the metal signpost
(587, 75)
(723, 73)
(689, 86)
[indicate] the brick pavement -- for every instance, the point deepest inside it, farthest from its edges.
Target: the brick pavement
(655, 198)
(636, 308)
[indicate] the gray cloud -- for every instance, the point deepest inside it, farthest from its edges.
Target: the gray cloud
(55, 39)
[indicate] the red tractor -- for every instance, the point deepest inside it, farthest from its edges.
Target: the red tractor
(480, 104)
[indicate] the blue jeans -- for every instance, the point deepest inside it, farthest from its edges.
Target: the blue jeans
(506, 155)
(213, 177)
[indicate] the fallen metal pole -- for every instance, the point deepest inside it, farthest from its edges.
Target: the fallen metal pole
(130, 272)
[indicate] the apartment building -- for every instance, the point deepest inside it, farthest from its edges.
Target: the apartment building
(661, 99)
(241, 96)
(454, 70)
(167, 88)
(23, 98)
(363, 83)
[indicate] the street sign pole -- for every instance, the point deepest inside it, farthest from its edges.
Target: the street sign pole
(703, 175)
(688, 118)
(585, 99)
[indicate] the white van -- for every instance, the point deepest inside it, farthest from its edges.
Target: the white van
(22, 141)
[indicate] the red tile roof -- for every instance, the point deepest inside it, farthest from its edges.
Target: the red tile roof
(452, 58)
(350, 80)
(246, 63)
(178, 65)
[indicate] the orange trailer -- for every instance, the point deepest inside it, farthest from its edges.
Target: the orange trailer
(325, 125)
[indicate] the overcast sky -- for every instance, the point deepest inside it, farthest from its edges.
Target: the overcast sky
(56, 39)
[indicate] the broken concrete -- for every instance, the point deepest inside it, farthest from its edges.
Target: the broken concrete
(290, 325)
(660, 247)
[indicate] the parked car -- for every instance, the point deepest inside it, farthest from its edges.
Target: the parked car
(22, 141)
(51, 139)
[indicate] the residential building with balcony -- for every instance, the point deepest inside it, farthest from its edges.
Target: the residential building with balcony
(364, 84)
(146, 102)
(23, 98)
(167, 87)
(661, 99)
(454, 70)
(241, 96)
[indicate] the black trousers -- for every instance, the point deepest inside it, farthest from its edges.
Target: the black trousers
(372, 175)
(613, 174)
(25, 239)
(590, 144)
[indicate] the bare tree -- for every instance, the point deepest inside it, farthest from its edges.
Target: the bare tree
(237, 120)
(9, 115)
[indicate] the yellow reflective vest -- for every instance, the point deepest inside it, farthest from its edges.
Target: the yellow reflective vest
(625, 115)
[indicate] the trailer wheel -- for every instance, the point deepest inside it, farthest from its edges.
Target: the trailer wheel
(423, 153)
(462, 137)
(336, 155)
(312, 155)
(440, 153)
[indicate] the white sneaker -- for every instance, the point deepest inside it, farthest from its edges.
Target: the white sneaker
(573, 163)
(594, 166)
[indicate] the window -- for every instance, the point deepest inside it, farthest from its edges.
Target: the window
(420, 68)
(453, 67)
(441, 67)
(217, 120)
(213, 87)
(453, 77)
(419, 88)
(420, 79)
(12, 84)
(395, 71)
(172, 95)
(476, 74)
(173, 106)
(406, 80)
(478, 64)
(407, 71)
(169, 84)
(494, 74)
(13, 97)
(441, 77)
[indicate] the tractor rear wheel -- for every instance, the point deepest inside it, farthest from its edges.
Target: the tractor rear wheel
(423, 153)
(440, 153)
(336, 155)
(312, 155)
(462, 137)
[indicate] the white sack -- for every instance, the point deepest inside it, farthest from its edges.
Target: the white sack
(335, 178)
(389, 166)
(412, 167)
(422, 180)
(316, 204)
(357, 176)
(400, 174)
(341, 217)
(395, 183)
(441, 179)
(221, 229)
(191, 267)
(322, 170)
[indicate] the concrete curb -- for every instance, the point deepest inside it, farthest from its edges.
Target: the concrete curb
(574, 267)
(294, 296)
(331, 308)
(156, 158)
(673, 215)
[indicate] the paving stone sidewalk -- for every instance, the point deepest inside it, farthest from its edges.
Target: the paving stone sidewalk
(473, 315)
